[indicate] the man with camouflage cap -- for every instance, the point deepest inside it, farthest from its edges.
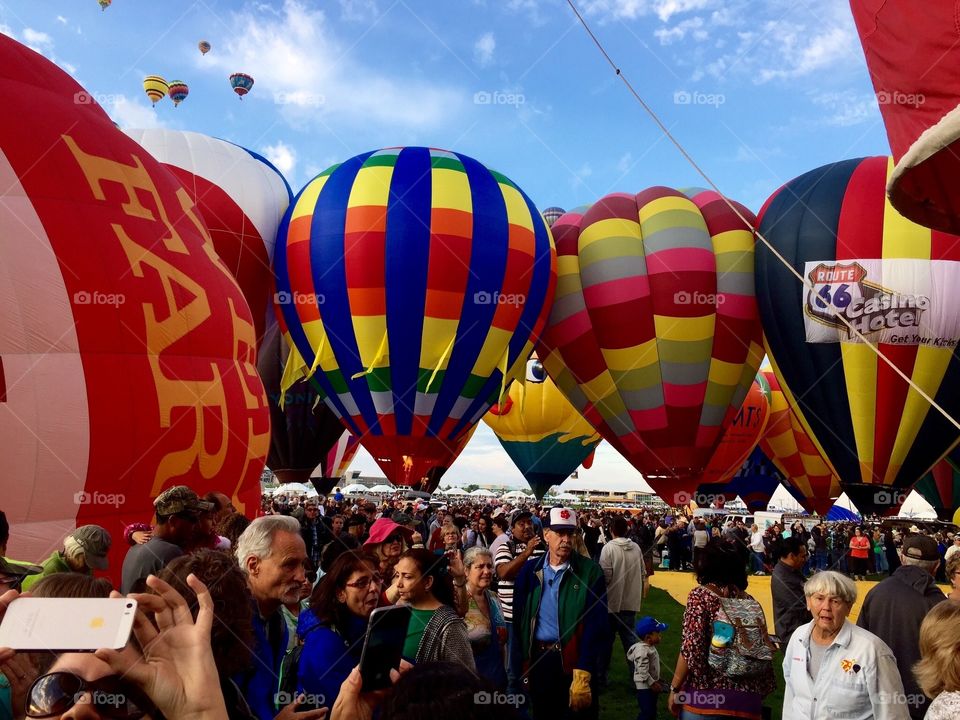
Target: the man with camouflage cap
(178, 512)
(84, 550)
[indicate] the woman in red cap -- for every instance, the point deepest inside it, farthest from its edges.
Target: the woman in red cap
(388, 541)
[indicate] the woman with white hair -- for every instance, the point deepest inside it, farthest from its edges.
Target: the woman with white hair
(486, 627)
(832, 668)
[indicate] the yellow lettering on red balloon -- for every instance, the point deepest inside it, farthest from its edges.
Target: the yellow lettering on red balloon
(131, 178)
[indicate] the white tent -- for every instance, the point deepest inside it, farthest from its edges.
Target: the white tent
(480, 492)
(565, 497)
(292, 489)
(381, 490)
(456, 491)
(516, 495)
(353, 489)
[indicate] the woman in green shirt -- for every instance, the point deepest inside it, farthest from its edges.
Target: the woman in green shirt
(436, 633)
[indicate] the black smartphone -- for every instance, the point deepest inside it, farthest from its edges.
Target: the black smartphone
(383, 645)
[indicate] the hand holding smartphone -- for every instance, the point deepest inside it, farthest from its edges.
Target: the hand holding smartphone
(67, 624)
(383, 645)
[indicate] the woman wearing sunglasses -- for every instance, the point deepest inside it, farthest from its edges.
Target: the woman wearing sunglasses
(332, 628)
(174, 676)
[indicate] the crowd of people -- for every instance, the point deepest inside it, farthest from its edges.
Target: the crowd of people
(515, 611)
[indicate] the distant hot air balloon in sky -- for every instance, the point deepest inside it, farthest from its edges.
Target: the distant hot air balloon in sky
(104, 4)
(338, 458)
(242, 198)
(241, 84)
(204, 47)
(413, 282)
(541, 431)
(786, 444)
(912, 58)
(552, 214)
(155, 87)
(867, 267)
(739, 439)
(178, 91)
(654, 335)
(128, 360)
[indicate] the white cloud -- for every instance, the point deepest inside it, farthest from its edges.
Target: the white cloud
(294, 56)
(633, 9)
(281, 155)
(62, 20)
(483, 49)
(694, 26)
(847, 108)
(625, 163)
(129, 113)
(359, 10)
(37, 39)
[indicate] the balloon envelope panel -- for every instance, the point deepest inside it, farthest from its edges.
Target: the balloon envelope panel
(878, 434)
(654, 335)
(128, 350)
(413, 282)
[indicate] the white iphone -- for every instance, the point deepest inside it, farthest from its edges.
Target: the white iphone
(67, 624)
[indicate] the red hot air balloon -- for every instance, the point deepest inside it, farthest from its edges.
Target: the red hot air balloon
(738, 441)
(912, 58)
(128, 359)
(664, 386)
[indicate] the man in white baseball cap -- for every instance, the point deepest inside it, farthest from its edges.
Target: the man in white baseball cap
(560, 610)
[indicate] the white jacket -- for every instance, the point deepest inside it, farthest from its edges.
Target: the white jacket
(858, 679)
(622, 562)
(646, 664)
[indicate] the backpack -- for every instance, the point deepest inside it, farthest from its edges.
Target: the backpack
(741, 646)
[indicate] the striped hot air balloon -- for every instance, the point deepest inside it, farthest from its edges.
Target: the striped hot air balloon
(790, 449)
(867, 267)
(552, 214)
(155, 87)
(541, 431)
(413, 283)
(431, 480)
(204, 47)
(654, 335)
(756, 481)
(241, 84)
(941, 486)
(178, 91)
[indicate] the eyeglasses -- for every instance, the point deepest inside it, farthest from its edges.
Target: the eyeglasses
(364, 583)
(55, 693)
(396, 537)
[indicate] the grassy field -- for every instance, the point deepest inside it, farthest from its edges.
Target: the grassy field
(618, 702)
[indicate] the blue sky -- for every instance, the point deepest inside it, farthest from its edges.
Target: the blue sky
(758, 92)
